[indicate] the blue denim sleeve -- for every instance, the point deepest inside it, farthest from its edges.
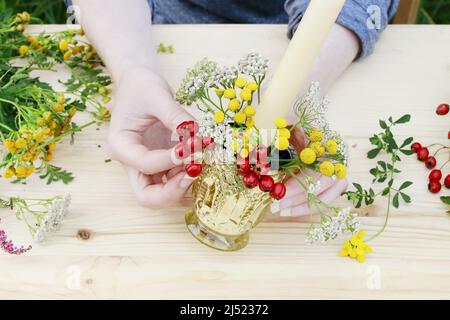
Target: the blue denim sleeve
(366, 18)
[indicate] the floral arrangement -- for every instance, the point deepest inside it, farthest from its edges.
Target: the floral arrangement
(226, 134)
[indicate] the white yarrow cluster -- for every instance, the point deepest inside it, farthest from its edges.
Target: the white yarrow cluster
(52, 221)
(222, 75)
(330, 229)
(254, 64)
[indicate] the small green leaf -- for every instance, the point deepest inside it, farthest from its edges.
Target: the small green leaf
(407, 152)
(407, 142)
(405, 197)
(383, 124)
(403, 119)
(405, 185)
(446, 199)
(373, 153)
(395, 201)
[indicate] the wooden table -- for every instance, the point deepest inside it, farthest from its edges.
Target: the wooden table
(133, 252)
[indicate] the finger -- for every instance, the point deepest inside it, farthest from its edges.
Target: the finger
(172, 115)
(328, 197)
(128, 148)
(161, 194)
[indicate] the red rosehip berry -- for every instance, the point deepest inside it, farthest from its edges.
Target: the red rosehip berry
(187, 128)
(193, 169)
(447, 181)
(435, 175)
(244, 167)
(180, 151)
(266, 183)
(278, 191)
(416, 146)
(194, 144)
(430, 162)
(448, 135)
(442, 109)
(250, 179)
(422, 154)
(434, 186)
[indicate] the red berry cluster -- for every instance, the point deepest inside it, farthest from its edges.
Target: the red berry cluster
(423, 154)
(189, 144)
(257, 174)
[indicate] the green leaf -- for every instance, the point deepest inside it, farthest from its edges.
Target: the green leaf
(405, 185)
(446, 199)
(403, 119)
(55, 174)
(373, 153)
(407, 142)
(383, 124)
(395, 201)
(407, 152)
(405, 197)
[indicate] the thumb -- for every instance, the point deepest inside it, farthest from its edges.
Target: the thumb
(171, 115)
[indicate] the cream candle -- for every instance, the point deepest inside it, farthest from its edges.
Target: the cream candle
(297, 62)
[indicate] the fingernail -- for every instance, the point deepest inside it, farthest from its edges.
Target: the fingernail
(186, 181)
(285, 212)
(275, 207)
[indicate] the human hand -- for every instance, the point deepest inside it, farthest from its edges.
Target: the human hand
(295, 202)
(144, 117)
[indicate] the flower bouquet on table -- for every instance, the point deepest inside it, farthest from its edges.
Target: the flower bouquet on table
(239, 170)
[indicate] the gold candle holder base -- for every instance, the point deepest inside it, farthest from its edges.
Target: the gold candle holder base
(214, 240)
(224, 209)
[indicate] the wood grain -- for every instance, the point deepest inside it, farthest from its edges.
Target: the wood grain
(133, 252)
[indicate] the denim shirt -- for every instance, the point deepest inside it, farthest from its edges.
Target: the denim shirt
(366, 18)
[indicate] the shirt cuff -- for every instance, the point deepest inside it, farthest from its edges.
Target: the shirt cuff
(366, 18)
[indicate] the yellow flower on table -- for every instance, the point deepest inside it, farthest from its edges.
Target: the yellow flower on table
(250, 122)
(282, 143)
(23, 50)
(9, 173)
(284, 132)
(318, 148)
(355, 247)
(63, 45)
(246, 95)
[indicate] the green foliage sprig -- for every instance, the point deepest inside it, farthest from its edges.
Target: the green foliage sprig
(384, 172)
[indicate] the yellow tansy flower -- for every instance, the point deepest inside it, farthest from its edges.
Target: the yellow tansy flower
(252, 86)
(67, 55)
(318, 148)
(9, 173)
(308, 156)
(355, 247)
(229, 94)
(340, 171)
(59, 107)
(235, 145)
(249, 111)
(326, 168)
(244, 153)
(240, 118)
(9, 145)
(20, 143)
(284, 132)
(21, 172)
(282, 143)
(63, 45)
(280, 123)
(250, 122)
(234, 105)
(246, 95)
(219, 116)
(23, 50)
(240, 82)
(219, 92)
(315, 136)
(332, 146)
